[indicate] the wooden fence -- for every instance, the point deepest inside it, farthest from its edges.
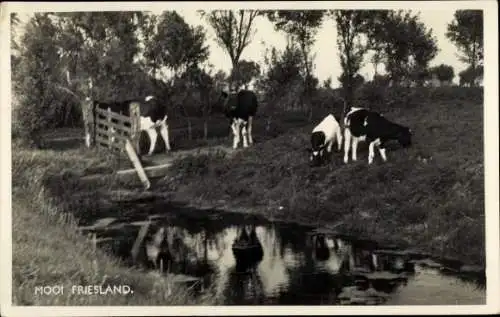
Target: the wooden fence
(114, 131)
(111, 130)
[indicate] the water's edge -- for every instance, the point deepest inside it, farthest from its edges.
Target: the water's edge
(224, 207)
(337, 228)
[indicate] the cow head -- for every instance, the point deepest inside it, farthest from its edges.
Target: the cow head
(318, 148)
(316, 156)
(405, 137)
(220, 101)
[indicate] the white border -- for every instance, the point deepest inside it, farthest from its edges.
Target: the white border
(490, 154)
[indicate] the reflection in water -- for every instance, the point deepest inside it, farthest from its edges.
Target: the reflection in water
(244, 284)
(250, 263)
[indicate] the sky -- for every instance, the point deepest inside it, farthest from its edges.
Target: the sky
(327, 61)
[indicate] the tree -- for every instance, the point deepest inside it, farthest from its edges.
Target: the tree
(180, 48)
(14, 46)
(423, 49)
(176, 45)
(327, 83)
(406, 45)
(38, 70)
(97, 44)
(207, 84)
(14, 23)
(302, 26)
(466, 31)
(148, 25)
(350, 27)
(355, 82)
(243, 74)
(444, 73)
(281, 76)
(470, 76)
(68, 56)
(376, 59)
(283, 70)
(233, 30)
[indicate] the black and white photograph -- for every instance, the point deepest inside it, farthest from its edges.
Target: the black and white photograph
(236, 158)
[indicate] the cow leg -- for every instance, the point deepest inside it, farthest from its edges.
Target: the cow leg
(382, 153)
(164, 134)
(355, 142)
(329, 146)
(371, 153)
(244, 133)
(347, 144)
(153, 135)
(87, 139)
(372, 146)
(235, 126)
(339, 139)
(250, 138)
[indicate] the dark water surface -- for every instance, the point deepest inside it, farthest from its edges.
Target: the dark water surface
(286, 264)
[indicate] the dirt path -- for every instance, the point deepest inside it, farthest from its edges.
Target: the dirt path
(169, 158)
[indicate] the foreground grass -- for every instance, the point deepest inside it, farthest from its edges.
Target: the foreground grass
(48, 250)
(429, 197)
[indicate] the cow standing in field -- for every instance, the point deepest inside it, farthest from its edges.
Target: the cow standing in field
(152, 115)
(362, 125)
(322, 137)
(240, 108)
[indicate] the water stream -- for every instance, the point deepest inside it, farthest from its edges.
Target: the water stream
(249, 261)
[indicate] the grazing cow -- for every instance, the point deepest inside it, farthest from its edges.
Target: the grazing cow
(323, 135)
(152, 115)
(240, 108)
(361, 124)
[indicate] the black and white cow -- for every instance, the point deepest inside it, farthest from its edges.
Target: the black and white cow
(240, 108)
(152, 115)
(322, 137)
(361, 124)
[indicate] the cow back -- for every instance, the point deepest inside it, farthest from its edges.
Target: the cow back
(242, 105)
(356, 122)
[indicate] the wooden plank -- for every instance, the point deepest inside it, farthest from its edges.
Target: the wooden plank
(109, 134)
(106, 134)
(118, 145)
(108, 119)
(104, 118)
(117, 126)
(112, 114)
(137, 164)
(88, 122)
(138, 241)
(107, 140)
(151, 171)
(135, 125)
(100, 139)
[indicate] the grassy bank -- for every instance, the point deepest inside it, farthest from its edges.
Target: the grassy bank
(429, 197)
(48, 250)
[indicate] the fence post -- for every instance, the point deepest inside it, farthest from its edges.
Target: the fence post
(137, 164)
(88, 121)
(135, 125)
(109, 131)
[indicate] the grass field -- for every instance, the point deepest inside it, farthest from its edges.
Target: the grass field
(429, 197)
